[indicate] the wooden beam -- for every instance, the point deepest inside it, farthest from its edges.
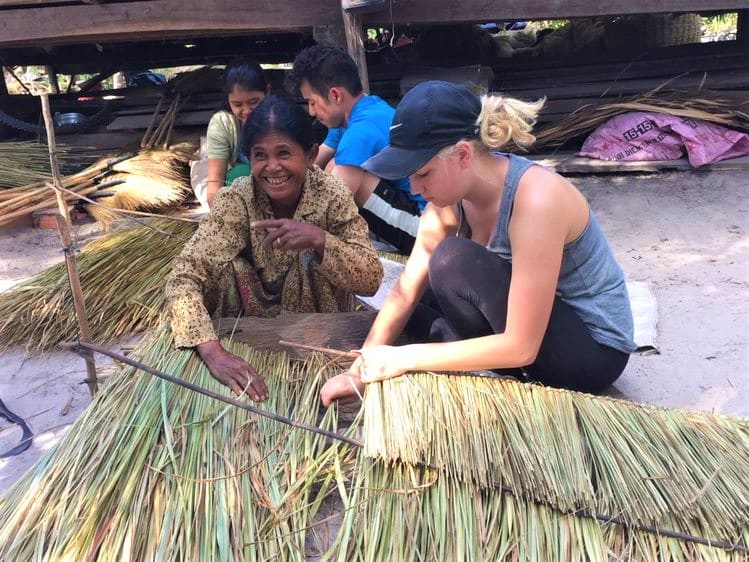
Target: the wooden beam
(355, 45)
(329, 34)
(18, 3)
(742, 28)
(429, 11)
(570, 163)
(160, 19)
(54, 84)
(341, 330)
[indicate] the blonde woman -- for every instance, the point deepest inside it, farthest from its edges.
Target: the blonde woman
(510, 270)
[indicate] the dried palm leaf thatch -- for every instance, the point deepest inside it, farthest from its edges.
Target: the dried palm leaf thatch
(721, 108)
(22, 162)
(568, 451)
(152, 471)
(152, 180)
(122, 274)
(414, 514)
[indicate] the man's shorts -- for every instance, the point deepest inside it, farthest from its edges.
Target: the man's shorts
(392, 216)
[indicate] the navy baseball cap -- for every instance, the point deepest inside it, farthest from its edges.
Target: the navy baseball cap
(431, 116)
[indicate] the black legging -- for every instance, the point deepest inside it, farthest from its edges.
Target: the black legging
(469, 286)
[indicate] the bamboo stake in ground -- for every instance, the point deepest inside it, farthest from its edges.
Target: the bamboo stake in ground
(63, 226)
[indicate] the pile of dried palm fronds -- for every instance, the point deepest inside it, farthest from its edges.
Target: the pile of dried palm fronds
(25, 161)
(722, 108)
(486, 469)
(149, 180)
(123, 276)
(152, 471)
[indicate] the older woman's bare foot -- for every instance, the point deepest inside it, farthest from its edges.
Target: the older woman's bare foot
(346, 387)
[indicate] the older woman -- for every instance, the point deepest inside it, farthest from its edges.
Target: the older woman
(286, 239)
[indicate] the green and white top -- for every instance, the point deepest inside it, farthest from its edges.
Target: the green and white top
(223, 137)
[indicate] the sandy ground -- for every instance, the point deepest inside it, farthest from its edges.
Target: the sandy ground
(684, 232)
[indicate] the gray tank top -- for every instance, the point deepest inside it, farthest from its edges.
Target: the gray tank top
(590, 280)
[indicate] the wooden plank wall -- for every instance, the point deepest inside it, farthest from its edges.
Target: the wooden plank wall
(157, 19)
(139, 20)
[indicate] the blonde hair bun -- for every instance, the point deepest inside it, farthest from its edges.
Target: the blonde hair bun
(505, 119)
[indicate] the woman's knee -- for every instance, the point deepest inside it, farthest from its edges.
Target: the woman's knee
(451, 256)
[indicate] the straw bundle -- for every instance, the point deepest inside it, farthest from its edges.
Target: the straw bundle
(123, 276)
(150, 181)
(25, 161)
(411, 514)
(22, 201)
(152, 471)
(721, 108)
(506, 446)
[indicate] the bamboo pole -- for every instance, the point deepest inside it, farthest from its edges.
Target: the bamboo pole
(355, 44)
(154, 117)
(63, 226)
(165, 145)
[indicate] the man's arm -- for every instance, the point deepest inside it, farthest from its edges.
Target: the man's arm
(324, 155)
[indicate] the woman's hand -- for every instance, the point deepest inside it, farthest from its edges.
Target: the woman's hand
(233, 371)
(381, 362)
(375, 363)
(346, 387)
(288, 235)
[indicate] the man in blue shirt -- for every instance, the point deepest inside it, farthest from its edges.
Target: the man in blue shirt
(358, 128)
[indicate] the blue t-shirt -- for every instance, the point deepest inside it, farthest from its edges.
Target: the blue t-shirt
(367, 132)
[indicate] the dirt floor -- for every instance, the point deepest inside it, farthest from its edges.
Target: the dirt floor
(683, 232)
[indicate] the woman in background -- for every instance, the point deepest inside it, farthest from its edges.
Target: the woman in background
(246, 86)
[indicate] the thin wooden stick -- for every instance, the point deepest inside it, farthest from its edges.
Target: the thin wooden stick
(146, 135)
(63, 226)
(327, 350)
(172, 122)
(355, 354)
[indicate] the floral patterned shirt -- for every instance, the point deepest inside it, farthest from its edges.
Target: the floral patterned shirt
(225, 250)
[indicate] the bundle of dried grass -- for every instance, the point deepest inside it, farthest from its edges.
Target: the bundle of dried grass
(122, 274)
(25, 161)
(721, 108)
(524, 471)
(412, 514)
(152, 471)
(22, 201)
(152, 180)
